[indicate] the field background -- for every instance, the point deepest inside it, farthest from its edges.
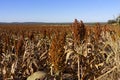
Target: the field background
(72, 51)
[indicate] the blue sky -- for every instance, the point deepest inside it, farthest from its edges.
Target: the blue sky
(58, 10)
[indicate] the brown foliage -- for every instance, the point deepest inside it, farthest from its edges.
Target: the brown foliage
(78, 29)
(18, 46)
(56, 53)
(101, 58)
(97, 31)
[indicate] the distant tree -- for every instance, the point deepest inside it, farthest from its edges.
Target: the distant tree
(111, 21)
(118, 19)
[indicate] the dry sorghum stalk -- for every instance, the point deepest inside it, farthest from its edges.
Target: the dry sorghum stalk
(79, 30)
(56, 52)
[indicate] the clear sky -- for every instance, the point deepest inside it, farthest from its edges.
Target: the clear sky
(58, 10)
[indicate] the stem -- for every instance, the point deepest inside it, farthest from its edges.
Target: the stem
(81, 72)
(61, 76)
(78, 67)
(51, 71)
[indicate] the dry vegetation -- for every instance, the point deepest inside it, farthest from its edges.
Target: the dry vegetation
(71, 52)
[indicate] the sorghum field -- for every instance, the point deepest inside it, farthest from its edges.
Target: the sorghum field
(59, 52)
